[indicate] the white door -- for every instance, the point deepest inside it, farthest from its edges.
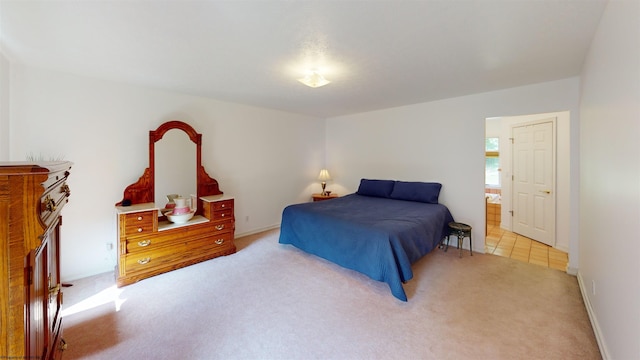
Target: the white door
(534, 181)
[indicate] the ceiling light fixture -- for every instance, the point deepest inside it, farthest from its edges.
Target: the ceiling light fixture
(314, 79)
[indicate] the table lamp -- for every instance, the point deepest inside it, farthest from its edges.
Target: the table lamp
(324, 177)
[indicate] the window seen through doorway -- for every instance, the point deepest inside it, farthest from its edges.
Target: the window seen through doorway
(492, 162)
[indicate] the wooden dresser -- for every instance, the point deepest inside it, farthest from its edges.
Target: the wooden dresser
(32, 196)
(149, 245)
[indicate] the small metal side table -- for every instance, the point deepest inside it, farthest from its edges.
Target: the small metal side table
(461, 231)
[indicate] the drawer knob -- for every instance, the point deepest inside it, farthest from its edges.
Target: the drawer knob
(222, 205)
(222, 215)
(49, 204)
(139, 218)
(139, 229)
(65, 189)
(219, 241)
(219, 227)
(144, 243)
(144, 261)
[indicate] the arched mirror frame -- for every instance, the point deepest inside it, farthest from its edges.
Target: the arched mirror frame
(143, 191)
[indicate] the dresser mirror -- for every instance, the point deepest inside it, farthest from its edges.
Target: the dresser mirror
(175, 161)
(175, 167)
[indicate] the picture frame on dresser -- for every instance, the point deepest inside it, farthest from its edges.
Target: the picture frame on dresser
(148, 243)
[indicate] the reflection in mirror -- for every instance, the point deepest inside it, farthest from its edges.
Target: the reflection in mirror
(175, 166)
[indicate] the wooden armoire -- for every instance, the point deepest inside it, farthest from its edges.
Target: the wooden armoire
(32, 196)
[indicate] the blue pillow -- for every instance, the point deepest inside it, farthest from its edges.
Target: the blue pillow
(377, 188)
(416, 191)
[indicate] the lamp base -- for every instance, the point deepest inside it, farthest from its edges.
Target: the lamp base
(324, 185)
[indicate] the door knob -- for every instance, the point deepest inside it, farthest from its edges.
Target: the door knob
(546, 191)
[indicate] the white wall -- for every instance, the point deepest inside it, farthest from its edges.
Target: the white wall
(493, 127)
(610, 181)
(443, 141)
(267, 159)
(4, 107)
(4, 102)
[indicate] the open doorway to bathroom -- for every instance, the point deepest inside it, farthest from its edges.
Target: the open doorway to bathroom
(501, 239)
(493, 181)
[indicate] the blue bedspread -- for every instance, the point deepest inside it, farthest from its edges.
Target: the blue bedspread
(378, 237)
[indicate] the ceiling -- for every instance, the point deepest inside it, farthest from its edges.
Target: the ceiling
(377, 54)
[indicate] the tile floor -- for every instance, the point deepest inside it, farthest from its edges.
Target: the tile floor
(504, 243)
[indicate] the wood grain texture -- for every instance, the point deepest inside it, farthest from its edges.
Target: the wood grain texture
(143, 253)
(31, 200)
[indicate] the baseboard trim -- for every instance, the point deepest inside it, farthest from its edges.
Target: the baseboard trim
(592, 317)
(572, 271)
(255, 231)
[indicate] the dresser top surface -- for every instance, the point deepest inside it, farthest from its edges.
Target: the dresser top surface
(152, 206)
(213, 198)
(31, 167)
(137, 207)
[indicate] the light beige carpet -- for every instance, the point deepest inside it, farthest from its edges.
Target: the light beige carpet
(271, 301)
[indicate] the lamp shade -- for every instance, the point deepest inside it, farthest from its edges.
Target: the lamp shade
(324, 175)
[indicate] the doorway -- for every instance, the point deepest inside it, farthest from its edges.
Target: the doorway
(559, 223)
(533, 181)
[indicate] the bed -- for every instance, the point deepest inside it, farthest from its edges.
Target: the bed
(380, 230)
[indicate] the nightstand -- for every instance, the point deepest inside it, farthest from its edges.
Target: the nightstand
(320, 197)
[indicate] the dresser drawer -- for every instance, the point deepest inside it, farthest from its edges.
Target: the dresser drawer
(142, 244)
(222, 214)
(139, 223)
(227, 225)
(53, 199)
(223, 205)
(176, 237)
(222, 240)
(55, 178)
(180, 252)
(218, 210)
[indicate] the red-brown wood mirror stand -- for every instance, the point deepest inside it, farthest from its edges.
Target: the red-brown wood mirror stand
(143, 190)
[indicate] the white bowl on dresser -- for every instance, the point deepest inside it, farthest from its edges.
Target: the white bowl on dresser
(180, 218)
